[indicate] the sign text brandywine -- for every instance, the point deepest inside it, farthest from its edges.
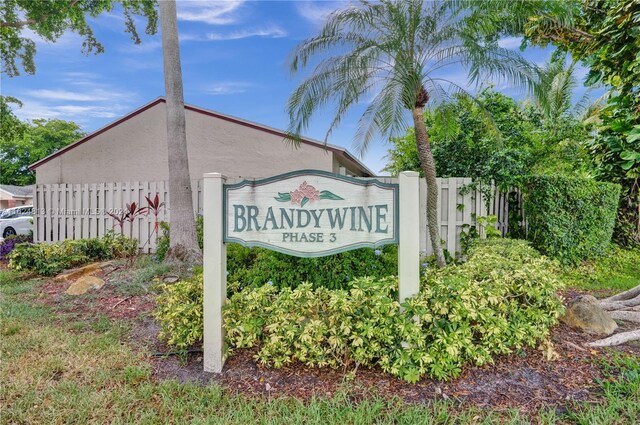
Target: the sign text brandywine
(311, 213)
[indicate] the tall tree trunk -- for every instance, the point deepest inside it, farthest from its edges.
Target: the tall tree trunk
(184, 245)
(428, 166)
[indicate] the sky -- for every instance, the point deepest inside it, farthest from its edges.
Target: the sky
(234, 61)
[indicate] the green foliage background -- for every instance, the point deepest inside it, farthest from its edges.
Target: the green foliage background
(50, 259)
(495, 138)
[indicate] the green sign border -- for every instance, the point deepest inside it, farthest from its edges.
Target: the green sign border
(359, 181)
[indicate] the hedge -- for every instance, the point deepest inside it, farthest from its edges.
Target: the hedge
(569, 218)
(502, 300)
(253, 267)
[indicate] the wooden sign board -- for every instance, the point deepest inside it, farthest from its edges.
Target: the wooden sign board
(311, 213)
(306, 213)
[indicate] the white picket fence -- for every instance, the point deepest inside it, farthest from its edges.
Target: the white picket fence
(78, 211)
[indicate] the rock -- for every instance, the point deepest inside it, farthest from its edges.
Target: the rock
(585, 313)
(84, 284)
(81, 271)
(170, 279)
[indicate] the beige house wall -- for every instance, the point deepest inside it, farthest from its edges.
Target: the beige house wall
(8, 201)
(135, 150)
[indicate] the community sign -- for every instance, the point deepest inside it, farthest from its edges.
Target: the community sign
(311, 213)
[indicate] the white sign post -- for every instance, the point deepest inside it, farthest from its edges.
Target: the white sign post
(306, 213)
(409, 244)
(214, 273)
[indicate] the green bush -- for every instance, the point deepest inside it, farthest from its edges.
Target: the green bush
(503, 298)
(50, 259)
(162, 245)
(179, 311)
(571, 219)
(254, 267)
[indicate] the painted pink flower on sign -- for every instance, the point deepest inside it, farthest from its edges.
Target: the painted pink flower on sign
(305, 193)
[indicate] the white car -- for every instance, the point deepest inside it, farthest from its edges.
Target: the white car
(16, 221)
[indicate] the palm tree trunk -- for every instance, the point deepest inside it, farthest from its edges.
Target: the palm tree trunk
(184, 245)
(428, 166)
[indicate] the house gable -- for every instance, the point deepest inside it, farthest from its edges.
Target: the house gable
(133, 148)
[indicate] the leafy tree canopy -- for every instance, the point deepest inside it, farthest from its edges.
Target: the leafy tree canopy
(495, 138)
(605, 34)
(23, 143)
(49, 19)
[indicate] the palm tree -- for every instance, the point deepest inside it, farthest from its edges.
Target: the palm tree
(554, 94)
(396, 52)
(184, 245)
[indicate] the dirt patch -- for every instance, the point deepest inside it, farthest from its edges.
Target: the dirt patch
(524, 380)
(106, 301)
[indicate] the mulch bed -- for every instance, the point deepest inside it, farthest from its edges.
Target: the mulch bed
(524, 380)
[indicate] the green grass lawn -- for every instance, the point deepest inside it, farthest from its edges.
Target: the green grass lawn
(615, 272)
(59, 370)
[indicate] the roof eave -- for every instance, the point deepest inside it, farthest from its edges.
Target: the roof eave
(219, 115)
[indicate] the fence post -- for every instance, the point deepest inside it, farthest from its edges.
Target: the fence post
(214, 272)
(409, 247)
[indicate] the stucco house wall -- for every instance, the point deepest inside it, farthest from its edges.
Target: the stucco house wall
(134, 149)
(15, 196)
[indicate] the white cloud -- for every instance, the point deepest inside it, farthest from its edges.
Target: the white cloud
(227, 87)
(210, 12)
(59, 95)
(317, 12)
(510, 43)
(269, 32)
(78, 96)
(87, 111)
(94, 95)
(82, 114)
(272, 31)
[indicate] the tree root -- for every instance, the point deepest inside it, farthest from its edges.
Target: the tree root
(624, 306)
(626, 295)
(180, 255)
(616, 339)
(629, 316)
(620, 305)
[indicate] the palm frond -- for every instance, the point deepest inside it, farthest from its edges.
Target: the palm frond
(393, 49)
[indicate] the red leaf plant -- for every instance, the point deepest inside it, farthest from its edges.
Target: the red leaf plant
(133, 211)
(154, 207)
(119, 220)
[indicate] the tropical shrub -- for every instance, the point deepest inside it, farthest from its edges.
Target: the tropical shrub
(253, 267)
(9, 243)
(163, 242)
(502, 299)
(179, 312)
(50, 259)
(571, 219)
(483, 229)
